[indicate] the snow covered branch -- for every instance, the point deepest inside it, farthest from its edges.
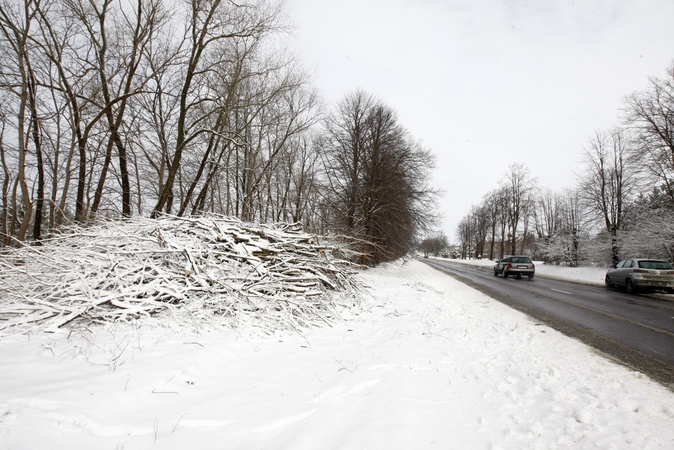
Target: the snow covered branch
(204, 271)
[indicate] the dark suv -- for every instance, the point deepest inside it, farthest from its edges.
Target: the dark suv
(515, 265)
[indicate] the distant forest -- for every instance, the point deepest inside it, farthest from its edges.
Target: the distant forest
(148, 107)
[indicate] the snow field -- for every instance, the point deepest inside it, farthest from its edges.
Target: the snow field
(429, 363)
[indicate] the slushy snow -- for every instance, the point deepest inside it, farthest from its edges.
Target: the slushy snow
(427, 363)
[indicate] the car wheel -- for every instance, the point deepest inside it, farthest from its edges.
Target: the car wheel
(607, 282)
(629, 287)
(531, 277)
(505, 274)
(495, 273)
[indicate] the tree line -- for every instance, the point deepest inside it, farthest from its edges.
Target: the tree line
(622, 205)
(115, 109)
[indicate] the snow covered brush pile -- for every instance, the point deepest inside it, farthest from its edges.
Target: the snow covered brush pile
(206, 271)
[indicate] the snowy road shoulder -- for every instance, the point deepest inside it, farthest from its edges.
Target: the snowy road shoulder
(429, 363)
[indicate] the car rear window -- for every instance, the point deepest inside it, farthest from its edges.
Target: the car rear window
(661, 265)
(521, 260)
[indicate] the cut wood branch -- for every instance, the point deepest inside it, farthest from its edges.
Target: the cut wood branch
(202, 271)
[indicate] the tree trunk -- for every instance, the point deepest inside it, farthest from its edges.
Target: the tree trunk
(39, 202)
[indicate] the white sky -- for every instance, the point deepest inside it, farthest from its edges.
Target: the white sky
(487, 83)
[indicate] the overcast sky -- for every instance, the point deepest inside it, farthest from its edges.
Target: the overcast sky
(488, 83)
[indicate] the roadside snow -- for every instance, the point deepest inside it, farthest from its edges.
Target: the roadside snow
(431, 364)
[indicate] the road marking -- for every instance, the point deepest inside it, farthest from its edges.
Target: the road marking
(563, 292)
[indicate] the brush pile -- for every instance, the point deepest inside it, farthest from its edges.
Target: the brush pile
(203, 271)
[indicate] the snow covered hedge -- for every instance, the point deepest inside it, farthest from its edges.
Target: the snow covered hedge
(206, 271)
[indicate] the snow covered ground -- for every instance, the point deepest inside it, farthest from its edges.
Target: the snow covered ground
(429, 363)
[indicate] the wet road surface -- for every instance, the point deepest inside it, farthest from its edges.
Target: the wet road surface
(635, 330)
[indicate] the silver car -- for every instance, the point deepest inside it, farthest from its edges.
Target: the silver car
(641, 274)
(515, 265)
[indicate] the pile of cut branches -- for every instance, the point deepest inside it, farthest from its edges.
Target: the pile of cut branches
(204, 271)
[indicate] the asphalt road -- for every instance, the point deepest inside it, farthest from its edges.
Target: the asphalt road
(635, 330)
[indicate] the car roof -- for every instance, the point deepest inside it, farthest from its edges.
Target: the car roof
(648, 259)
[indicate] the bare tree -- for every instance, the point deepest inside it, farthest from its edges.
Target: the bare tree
(7, 178)
(547, 215)
(650, 114)
(648, 228)
(608, 181)
(465, 232)
(344, 153)
(60, 41)
(119, 40)
(574, 224)
(434, 245)
(502, 208)
(559, 223)
(300, 183)
(518, 188)
(375, 177)
(480, 218)
(289, 113)
(15, 26)
(491, 206)
(118, 99)
(211, 23)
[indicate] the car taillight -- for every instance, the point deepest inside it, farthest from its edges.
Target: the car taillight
(533, 266)
(510, 266)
